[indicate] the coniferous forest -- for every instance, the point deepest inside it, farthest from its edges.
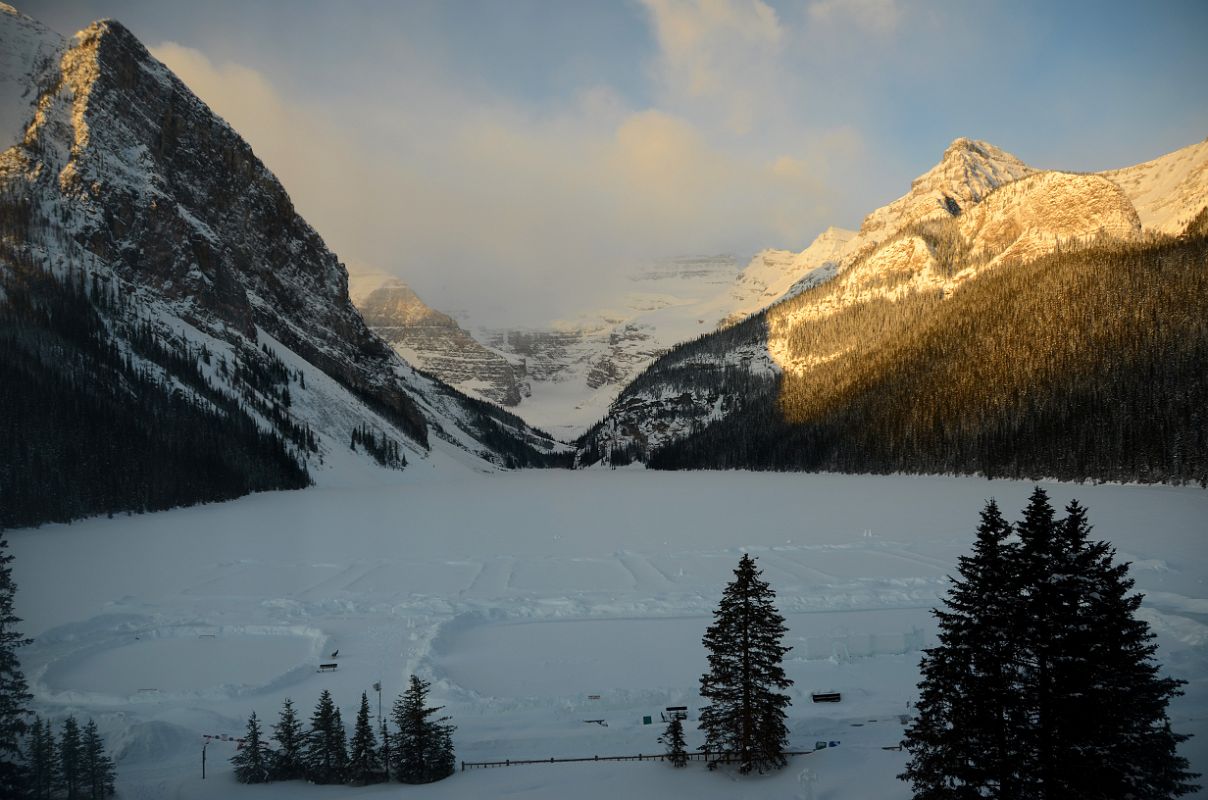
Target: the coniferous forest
(86, 428)
(1083, 364)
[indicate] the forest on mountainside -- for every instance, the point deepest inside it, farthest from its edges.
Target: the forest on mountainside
(87, 427)
(1088, 363)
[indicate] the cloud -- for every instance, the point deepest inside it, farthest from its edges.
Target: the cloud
(873, 16)
(718, 51)
(509, 214)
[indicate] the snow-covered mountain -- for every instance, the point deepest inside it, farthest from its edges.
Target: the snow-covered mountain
(434, 341)
(977, 211)
(1169, 191)
(564, 375)
(127, 189)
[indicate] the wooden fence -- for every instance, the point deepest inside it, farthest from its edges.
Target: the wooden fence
(713, 758)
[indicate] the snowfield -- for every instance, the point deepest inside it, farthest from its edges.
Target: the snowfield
(553, 611)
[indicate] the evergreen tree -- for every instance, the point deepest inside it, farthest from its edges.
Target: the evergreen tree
(98, 773)
(1043, 685)
(363, 765)
(384, 753)
(423, 747)
(14, 693)
(962, 740)
(253, 760)
(71, 760)
(744, 722)
(43, 764)
(673, 740)
(291, 741)
(326, 753)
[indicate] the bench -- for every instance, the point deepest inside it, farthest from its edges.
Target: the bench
(826, 697)
(328, 667)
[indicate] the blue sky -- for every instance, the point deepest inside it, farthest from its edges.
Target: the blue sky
(513, 157)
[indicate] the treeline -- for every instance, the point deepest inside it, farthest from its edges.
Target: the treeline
(72, 767)
(511, 442)
(1090, 363)
(419, 749)
(383, 449)
(88, 428)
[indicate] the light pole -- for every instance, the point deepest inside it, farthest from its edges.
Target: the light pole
(203, 758)
(377, 686)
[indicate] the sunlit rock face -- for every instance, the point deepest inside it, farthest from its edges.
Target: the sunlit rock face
(434, 342)
(978, 210)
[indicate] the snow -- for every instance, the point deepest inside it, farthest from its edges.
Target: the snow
(522, 596)
(29, 50)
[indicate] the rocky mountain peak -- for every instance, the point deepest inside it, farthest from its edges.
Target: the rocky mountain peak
(968, 171)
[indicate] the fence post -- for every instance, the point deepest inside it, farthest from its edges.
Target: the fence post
(463, 766)
(508, 762)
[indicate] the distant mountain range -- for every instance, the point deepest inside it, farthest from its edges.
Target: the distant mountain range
(563, 376)
(996, 319)
(171, 331)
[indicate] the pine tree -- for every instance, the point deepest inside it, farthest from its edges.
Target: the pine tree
(253, 760)
(363, 765)
(673, 740)
(962, 738)
(14, 693)
(423, 747)
(71, 760)
(326, 753)
(43, 762)
(291, 741)
(98, 770)
(745, 721)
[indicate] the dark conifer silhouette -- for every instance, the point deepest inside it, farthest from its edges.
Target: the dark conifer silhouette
(291, 744)
(253, 760)
(1044, 683)
(423, 746)
(98, 772)
(363, 765)
(326, 754)
(745, 720)
(673, 740)
(71, 761)
(14, 692)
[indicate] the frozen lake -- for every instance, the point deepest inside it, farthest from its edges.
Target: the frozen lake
(523, 595)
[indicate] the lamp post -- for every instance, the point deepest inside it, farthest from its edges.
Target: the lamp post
(203, 758)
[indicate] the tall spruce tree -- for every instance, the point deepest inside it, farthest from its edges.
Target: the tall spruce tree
(253, 760)
(963, 736)
(291, 741)
(745, 720)
(42, 754)
(326, 754)
(363, 765)
(71, 760)
(1043, 686)
(423, 747)
(14, 693)
(99, 775)
(673, 740)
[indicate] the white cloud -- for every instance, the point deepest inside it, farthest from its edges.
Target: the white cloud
(721, 52)
(874, 16)
(487, 207)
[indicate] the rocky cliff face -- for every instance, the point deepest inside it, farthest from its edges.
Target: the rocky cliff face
(125, 180)
(437, 344)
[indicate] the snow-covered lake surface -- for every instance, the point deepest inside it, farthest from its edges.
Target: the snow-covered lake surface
(536, 602)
